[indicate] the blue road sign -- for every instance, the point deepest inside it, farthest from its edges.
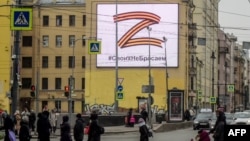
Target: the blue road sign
(120, 88)
(21, 19)
(94, 47)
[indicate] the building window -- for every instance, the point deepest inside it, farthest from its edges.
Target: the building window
(45, 20)
(84, 20)
(71, 61)
(83, 40)
(83, 61)
(58, 40)
(58, 61)
(58, 83)
(59, 20)
(45, 63)
(83, 83)
(45, 41)
(72, 19)
(58, 105)
(27, 41)
(27, 62)
(71, 40)
(44, 83)
(26, 83)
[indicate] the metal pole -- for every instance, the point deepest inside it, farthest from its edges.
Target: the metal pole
(225, 83)
(14, 89)
(149, 79)
(71, 83)
(116, 59)
(166, 66)
(213, 57)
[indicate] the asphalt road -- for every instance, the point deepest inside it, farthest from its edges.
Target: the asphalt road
(177, 135)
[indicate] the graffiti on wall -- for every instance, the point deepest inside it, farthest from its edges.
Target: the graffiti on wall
(101, 108)
(155, 109)
(108, 109)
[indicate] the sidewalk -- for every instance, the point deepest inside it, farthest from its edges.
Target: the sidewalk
(108, 130)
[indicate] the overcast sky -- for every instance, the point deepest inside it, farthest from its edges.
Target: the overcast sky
(234, 17)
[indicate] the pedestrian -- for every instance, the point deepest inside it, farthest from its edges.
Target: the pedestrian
(65, 129)
(17, 121)
(187, 115)
(53, 121)
(8, 126)
(24, 134)
(144, 113)
(203, 135)
(219, 128)
(43, 126)
(94, 133)
(79, 128)
(220, 115)
(143, 129)
(32, 120)
(130, 119)
(192, 113)
(25, 112)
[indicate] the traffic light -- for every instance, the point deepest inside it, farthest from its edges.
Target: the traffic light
(32, 92)
(66, 91)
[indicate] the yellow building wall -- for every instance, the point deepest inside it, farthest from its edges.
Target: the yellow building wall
(100, 82)
(5, 57)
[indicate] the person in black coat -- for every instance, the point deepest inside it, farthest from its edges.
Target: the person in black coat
(78, 128)
(43, 126)
(65, 130)
(8, 125)
(143, 129)
(94, 128)
(219, 128)
(144, 113)
(32, 119)
(24, 133)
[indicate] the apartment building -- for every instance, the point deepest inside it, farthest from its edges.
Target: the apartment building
(206, 18)
(57, 48)
(51, 53)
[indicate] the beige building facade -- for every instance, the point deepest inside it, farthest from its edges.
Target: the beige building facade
(47, 54)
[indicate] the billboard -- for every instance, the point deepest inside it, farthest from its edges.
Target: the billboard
(135, 43)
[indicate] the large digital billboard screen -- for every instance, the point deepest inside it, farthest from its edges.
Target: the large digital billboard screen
(135, 42)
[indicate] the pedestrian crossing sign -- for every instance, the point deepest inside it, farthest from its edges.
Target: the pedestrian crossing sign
(21, 19)
(119, 95)
(212, 100)
(94, 47)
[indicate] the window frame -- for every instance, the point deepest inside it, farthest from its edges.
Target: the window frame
(58, 20)
(72, 20)
(45, 20)
(58, 40)
(45, 61)
(27, 62)
(58, 61)
(45, 40)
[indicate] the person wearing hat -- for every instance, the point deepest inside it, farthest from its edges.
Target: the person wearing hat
(143, 130)
(78, 128)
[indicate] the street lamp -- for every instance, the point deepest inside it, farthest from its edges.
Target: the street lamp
(166, 65)
(149, 78)
(213, 57)
(71, 79)
(116, 58)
